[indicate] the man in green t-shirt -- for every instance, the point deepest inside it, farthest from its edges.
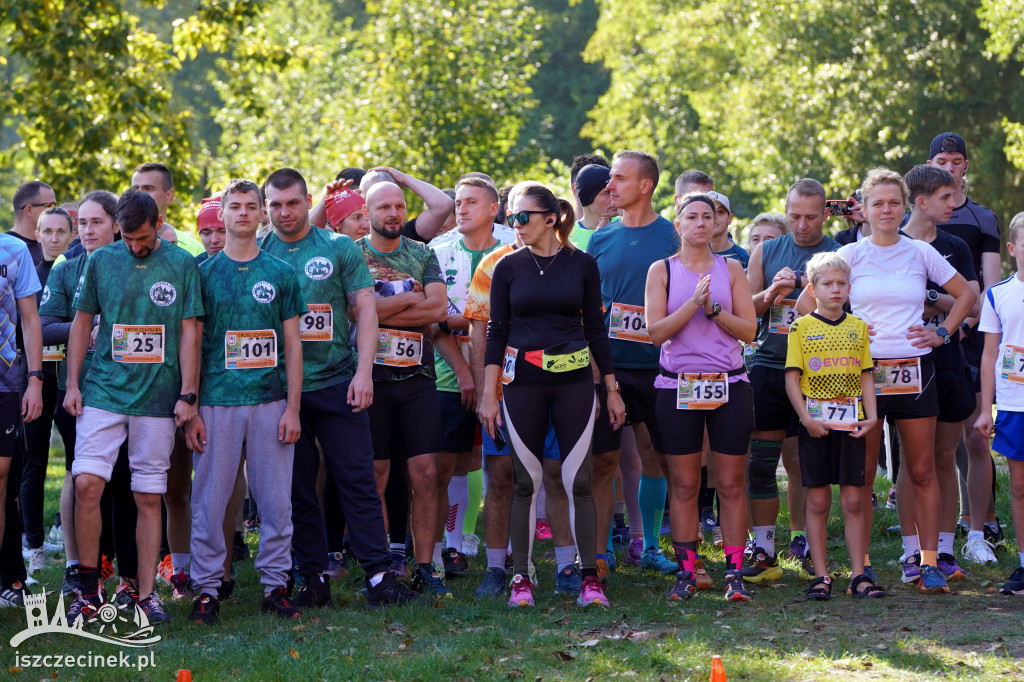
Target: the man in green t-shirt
(140, 385)
(335, 394)
(249, 393)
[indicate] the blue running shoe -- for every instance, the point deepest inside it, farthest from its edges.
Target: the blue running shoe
(931, 581)
(569, 580)
(655, 560)
(912, 568)
(494, 583)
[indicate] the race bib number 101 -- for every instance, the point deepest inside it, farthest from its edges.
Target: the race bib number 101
(137, 343)
(250, 349)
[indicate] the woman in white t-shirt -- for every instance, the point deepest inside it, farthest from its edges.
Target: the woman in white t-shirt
(888, 287)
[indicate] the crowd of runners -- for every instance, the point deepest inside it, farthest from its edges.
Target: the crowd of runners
(356, 385)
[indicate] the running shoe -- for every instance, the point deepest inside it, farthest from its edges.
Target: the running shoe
(252, 524)
(455, 563)
(83, 607)
(707, 519)
(911, 568)
(874, 500)
(470, 544)
(979, 551)
(620, 535)
(735, 588)
(997, 538)
(71, 581)
(798, 547)
(399, 566)
(56, 535)
(748, 549)
(700, 575)
(1015, 585)
(949, 568)
(205, 608)
(36, 560)
(684, 588)
(610, 559)
(336, 565)
(931, 581)
(655, 560)
(426, 581)
(226, 590)
(962, 529)
(522, 592)
(806, 570)
(181, 586)
(127, 597)
(164, 570)
(635, 553)
(602, 571)
(106, 569)
(494, 583)
(315, 593)
(592, 592)
(389, 592)
(666, 524)
(761, 568)
(154, 609)
(890, 499)
(280, 604)
(12, 594)
(719, 539)
(543, 531)
(568, 580)
(239, 550)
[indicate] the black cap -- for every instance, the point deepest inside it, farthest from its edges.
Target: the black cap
(590, 181)
(950, 143)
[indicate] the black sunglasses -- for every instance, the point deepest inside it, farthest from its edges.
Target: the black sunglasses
(523, 217)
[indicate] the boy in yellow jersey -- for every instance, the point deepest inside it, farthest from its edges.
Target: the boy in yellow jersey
(829, 382)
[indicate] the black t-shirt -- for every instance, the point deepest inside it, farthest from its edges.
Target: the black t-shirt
(979, 227)
(410, 232)
(34, 247)
(957, 254)
(560, 311)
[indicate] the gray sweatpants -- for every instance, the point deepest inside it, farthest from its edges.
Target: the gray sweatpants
(269, 468)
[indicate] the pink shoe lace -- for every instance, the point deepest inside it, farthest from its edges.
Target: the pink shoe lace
(522, 592)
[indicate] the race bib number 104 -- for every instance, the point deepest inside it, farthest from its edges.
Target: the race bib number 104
(628, 323)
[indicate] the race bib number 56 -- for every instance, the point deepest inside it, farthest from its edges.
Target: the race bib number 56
(398, 348)
(250, 349)
(137, 343)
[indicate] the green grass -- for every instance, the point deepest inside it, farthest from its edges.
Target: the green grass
(970, 634)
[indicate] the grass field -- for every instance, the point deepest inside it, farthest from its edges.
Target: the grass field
(971, 634)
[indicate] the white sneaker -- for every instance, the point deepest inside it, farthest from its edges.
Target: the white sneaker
(979, 551)
(56, 535)
(470, 544)
(36, 560)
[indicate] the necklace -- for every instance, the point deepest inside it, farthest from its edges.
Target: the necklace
(549, 264)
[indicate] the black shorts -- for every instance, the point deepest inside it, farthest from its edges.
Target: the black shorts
(956, 395)
(836, 458)
(10, 421)
(640, 396)
(728, 426)
(458, 425)
(405, 415)
(913, 405)
(772, 409)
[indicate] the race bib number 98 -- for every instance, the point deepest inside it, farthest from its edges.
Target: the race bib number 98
(318, 323)
(628, 323)
(250, 349)
(897, 377)
(398, 348)
(137, 343)
(1012, 368)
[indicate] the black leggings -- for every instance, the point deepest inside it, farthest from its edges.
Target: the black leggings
(37, 453)
(527, 409)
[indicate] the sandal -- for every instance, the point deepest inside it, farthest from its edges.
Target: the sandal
(820, 589)
(870, 589)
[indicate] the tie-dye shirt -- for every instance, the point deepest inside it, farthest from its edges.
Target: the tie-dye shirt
(18, 274)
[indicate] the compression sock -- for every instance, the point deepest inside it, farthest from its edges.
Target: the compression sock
(475, 480)
(496, 558)
(733, 557)
(437, 558)
(686, 555)
(652, 507)
(764, 537)
(458, 498)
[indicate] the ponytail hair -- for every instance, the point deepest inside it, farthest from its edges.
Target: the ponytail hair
(566, 214)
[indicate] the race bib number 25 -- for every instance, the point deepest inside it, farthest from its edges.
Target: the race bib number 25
(137, 343)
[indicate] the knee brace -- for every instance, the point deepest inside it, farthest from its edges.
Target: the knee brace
(764, 460)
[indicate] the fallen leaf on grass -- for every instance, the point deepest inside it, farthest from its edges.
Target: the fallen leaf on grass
(562, 621)
(881, 646)
(996, 645)
(800, 631)
(991, 590)
(590, 642)
(563, 656)
(769, 638)
(395, 627)
(299, 628)
(14, 670)
(719, 614)
(515, 672)
(293, 653)
(906, 629)
(641, 636)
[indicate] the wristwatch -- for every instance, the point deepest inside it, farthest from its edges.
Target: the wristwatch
(965, 328)
(613, 388)
(37, 373)
(716, 310)
(931, 296)
(943, 334)
(189, 398)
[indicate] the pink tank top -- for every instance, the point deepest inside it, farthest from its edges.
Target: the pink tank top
(701, 345)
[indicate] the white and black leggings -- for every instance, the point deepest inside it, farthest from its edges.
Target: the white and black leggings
(570, 407)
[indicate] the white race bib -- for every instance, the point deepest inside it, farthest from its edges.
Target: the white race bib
(250, 349)
(897, 377)
(1012, 368)
(137, 343)
(628, 323)
(398, 348)
(318, 323)
(783, 316)
(839, 414)
(702, 391)
(53, 353)
(508, 366)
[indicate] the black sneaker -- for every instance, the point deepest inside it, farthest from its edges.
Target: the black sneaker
(761, 568)
(315, 593)
(455, 563)
(71, 581)
(83, 607)
(205, 608)
(996, 537)
(389, 591)
(12, 594)
(280, 604)
(425, 580)
(1015, 585)
(154, 609)
(127, 597)
(226, 590)
(239, 550)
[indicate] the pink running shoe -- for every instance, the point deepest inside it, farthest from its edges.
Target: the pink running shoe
(635, 552)
(543, 530)
(522, 592)
(592, 593)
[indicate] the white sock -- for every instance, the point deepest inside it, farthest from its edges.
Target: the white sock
(179, 562)
(1021, 555)
(945, 543)
(975, 535)
(398, 548)
(764, 537)
(458, 500)
(375, 580)
(911, 545)
(541, 504)
(437, 559)
(565, 556)
(71, 562)
(496, 558)
(992, 526)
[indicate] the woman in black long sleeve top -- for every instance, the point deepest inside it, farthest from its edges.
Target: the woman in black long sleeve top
(546, 325)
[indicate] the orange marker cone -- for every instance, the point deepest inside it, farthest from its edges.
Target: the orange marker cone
(186, 676)
(717, 670)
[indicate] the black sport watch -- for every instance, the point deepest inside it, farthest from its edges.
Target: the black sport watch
(189, 398)
(716, 310)
(37, 373)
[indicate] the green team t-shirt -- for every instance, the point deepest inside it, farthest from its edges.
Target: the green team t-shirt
(457, 267)
(62, 289)
(329, 267)
(141, 303)
(410, 267)
(246, 304)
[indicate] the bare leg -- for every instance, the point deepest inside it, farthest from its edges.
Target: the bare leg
(67, 517)
(423, 488)
(147, 537)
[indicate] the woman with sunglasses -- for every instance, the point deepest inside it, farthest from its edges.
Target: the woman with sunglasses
(546, 322)
(698, 306)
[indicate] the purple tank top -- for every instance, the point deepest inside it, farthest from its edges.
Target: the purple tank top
(701, 345)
